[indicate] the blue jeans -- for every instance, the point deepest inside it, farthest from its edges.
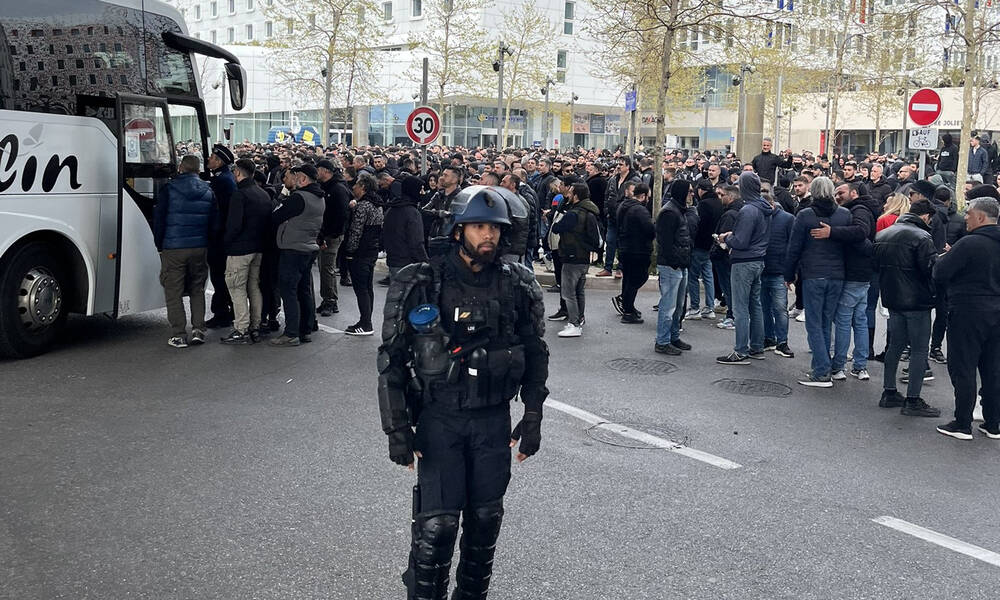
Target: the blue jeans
(851, 315)
(671, 304)
(747, 312)
(722, 270)
(701, 269)
(610, 246)
(820, 297)
(774, 303)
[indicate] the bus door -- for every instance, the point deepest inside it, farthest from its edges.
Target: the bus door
(146, 160)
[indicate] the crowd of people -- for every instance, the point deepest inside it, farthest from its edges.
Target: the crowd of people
(731, 240)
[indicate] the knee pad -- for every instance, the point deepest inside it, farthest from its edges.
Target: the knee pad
(435, 536)
(483, 522)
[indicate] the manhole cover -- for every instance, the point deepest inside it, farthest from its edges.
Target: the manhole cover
(613, 434)
(754, 387)
(641, 366)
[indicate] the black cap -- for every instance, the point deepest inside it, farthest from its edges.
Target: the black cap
(307, 170)
(326, 164)
(571, 179)
(224, 154)
(922, 207)
(982, 191)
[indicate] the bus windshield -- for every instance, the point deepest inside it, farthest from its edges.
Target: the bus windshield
(50, 57)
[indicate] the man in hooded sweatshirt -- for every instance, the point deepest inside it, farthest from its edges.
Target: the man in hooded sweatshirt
(403, 228)
(821, 261)
(673, 257)
(948, 159)
(578, 231)
(748, 241)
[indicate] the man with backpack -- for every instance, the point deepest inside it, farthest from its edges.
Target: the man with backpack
(579, 235)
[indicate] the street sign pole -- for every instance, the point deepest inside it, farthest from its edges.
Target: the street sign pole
(423, 102)
(923, 162)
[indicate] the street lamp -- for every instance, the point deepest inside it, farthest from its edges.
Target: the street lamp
(739, 80)
(704, 100)
(545, 92)
(572, 103)
(791, 111)
(221, 83)
(503, 51)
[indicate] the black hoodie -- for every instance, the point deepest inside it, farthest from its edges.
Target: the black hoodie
(970, 271)
(403, 233)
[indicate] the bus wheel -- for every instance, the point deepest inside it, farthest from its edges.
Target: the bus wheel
(32, 296)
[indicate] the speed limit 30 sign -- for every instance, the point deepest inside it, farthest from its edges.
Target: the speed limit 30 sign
(423, 126)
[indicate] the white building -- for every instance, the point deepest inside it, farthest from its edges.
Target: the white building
(812, 31)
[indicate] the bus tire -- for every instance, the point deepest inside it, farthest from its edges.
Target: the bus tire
(33, 304)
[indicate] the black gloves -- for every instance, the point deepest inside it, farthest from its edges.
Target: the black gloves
(401, 446)
(529, 431)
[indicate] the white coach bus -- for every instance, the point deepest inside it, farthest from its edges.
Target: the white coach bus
(87, 92)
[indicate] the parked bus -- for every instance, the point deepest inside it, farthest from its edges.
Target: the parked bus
(87, 92)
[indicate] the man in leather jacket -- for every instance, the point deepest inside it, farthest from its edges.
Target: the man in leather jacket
(905, 256)
(462, 337)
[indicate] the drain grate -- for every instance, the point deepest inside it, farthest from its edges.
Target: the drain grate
(641, 366)
(754, 387)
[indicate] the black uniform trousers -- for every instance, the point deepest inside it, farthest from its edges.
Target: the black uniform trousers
(466, 456)
(974, 343)
(222, 303)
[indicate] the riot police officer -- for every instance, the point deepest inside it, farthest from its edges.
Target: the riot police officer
(462, 337)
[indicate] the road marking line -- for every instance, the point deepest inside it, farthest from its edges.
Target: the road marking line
(642, 436)
(940, 539)
(925, 107)
(329, 329)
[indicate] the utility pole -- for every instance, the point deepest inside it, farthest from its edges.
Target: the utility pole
(633, 131)
(545, 126)
(501, 123)
(906, 102)
(423, 102)
(777, 113)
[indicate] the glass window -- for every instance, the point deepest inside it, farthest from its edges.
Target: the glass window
(249, 4)
(568, 27)
(268, 29)
(387, 11)
(197, 13)
(214, 6)
(231, 35)
(416, 8)
(146, 140)
(289, 26)
(570, 10)
(215, 37)
(232, 7)
(561, 59)
(249, 32)
(561, 77)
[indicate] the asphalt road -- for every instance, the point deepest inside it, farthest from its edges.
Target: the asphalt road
(134, 470)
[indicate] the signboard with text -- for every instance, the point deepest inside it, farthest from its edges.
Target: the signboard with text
(925, 138)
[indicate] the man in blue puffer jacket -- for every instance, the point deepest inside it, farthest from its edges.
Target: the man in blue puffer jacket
(185, 212)
(748, 241)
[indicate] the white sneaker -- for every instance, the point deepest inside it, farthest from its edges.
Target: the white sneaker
(726, 324)
(977, 412)
(839, 376)
(708, 313)
(801, 317)
(692, 314)
(571, 330)
(794, 313)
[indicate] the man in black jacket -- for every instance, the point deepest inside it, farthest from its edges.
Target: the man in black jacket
(403, 229)
(731, 205)
(970, 272)
(905, 256)
(709, 212)
(616, 194)
(247, 224)
(766, 163)
(673, 256)
(948, 160)
(337, 199)
(878, 187)
(635, 237)
(578, 232)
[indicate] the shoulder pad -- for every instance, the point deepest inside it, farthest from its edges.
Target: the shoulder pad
(524, 279)
(407, 279)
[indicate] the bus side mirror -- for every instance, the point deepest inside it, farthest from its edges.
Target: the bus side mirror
(236, 76)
